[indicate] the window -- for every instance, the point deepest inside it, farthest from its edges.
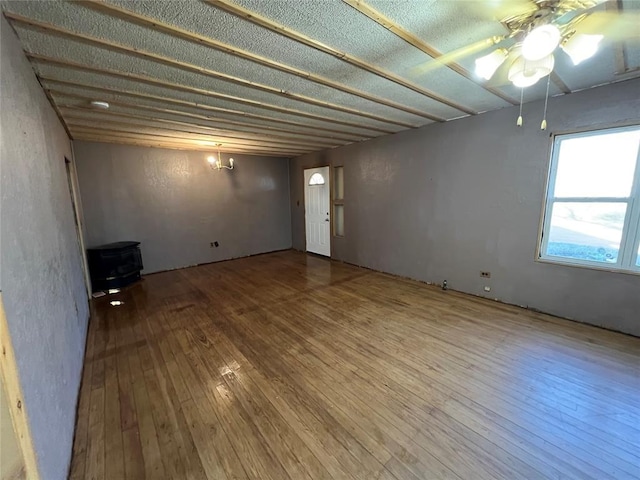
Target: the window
(316, 179)
(592, 210)
(338, 201)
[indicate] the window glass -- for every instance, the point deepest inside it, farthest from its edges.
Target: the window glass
(338, 226)
(587, 231)
(316, 179)
(597, 166)
(338, 183)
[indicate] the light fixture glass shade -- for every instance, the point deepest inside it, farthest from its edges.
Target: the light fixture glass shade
(540, 42)
(486, 66)
(581, 46)
(524, 73)
(215, 162)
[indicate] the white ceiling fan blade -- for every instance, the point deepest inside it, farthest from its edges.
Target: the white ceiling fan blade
(456, 55)
(613, 25)
(501, 9)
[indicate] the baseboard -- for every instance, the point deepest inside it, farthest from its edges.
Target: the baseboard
(218, 261)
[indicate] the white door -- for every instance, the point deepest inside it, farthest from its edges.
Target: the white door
(316, 208)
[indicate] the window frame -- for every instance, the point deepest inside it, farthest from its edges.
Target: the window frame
(630, 240)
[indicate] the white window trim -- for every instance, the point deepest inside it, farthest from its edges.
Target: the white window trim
(626, 261)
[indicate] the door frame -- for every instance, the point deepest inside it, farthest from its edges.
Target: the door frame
(76, 206)
(304, 204)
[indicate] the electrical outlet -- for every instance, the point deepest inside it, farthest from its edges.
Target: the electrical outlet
(214, 244)
(485, 274)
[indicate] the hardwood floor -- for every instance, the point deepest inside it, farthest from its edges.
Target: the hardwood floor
(287, 366)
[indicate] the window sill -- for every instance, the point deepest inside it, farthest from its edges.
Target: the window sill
(601, 268)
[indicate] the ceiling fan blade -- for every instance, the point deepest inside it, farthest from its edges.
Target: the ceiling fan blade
(613, 25)
(501, 9)
(456, 55)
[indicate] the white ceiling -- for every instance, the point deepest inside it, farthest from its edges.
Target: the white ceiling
(190, 74)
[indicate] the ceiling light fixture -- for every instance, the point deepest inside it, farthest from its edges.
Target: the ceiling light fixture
(524, 73)
(216, 163)
(486, 66)
(581, 46)
(540, 42)
(99, 104)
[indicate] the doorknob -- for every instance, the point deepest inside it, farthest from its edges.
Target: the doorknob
(326, 219)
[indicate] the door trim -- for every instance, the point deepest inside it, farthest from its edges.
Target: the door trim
(74, 192)
(304, 205)
(15, 399)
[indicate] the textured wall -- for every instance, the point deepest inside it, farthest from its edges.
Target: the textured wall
(449, 200)
(42, 283)
(176, 206)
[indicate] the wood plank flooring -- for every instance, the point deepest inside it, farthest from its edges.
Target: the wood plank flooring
(288, 366)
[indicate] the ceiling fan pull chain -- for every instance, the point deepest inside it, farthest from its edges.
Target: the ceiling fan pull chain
(519, 122)
(543, 125)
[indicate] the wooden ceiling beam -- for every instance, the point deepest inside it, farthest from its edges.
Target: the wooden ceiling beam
(280, 29)
(51, 29)
(153, 144)
(176, 140)
(198, 91)
(75, 110)
(182, 139)
(555, 78)
(173, 86)
(177, 32)
(421, 45)
(138, 128)
(619, 48)
(337, 135)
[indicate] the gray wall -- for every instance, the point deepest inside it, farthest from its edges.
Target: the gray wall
(449, 200)
(42, 282)
(174, 204)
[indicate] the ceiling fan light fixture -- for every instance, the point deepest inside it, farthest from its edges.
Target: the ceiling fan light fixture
(540, 42)
(486, 66)
(581, 46)
(524, 73)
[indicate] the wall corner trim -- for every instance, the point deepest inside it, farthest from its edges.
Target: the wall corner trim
(15, 399)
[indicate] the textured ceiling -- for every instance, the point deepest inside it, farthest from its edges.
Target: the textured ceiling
(275, 77)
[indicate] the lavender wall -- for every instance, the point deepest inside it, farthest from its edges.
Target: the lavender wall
(172, 202)
(42, 280)
(450, 200)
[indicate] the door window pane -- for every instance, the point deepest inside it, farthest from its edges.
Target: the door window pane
(597, 166)
(586, 231)
(316, 179)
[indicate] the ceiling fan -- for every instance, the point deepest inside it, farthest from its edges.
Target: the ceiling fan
(537, 30)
